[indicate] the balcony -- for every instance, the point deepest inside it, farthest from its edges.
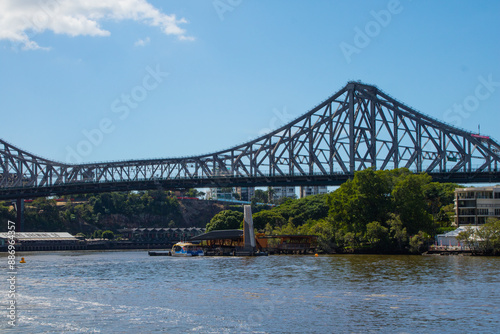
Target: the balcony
(467, 204)
(466, 196)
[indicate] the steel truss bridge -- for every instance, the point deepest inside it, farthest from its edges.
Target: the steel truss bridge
(357, 128)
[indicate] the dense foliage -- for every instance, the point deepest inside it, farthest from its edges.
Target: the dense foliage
(6, 214)
(297, 212)
(377, 211)
(93, 212)
(226, 220)
(267, 196)
(485, 239)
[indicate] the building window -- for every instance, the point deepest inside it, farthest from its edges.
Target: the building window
(497, 212)
(485, 194)
(497, 195)
(466, 195)
(482, 212)
(466, 221)
(467, 212)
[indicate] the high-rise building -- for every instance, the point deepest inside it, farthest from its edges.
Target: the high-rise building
(281, 192)
(246, 193)
(220, 193)
(312, 190)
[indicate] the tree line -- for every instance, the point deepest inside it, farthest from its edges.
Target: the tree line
(89, 213)
(376, 211)
(484, 239)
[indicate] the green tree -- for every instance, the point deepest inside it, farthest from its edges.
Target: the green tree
(108, 235)
(409, 203)
(299, 211)
(419, 242)
(358, 202)
(398, 200)
(467, 237)
(397, 231)
(192, 192)
(444, 218)
(44, 215)
(6, 214)
(377, 235)
(484, 239)
(268, 229)
(260, 196)
(351, 240)
(325, 232)
(288, 229)
(262, 218)
(97, 234)
(490, 234)
(437, 195)
(225, 220)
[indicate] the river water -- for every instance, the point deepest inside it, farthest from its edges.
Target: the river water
(131, 292)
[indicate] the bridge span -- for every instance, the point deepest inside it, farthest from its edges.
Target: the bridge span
(356, 128)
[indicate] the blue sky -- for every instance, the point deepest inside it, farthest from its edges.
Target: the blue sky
(225, 71)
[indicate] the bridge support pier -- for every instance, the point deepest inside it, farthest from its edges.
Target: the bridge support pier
(20, 215)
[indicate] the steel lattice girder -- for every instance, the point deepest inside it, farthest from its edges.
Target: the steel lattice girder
(357, 128)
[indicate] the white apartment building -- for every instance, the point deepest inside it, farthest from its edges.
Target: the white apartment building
(220, 193)
(281, 192)
(312, 190)
(473, 206)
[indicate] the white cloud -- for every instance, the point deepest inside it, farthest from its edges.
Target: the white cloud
(186, 38)
(21, 20)
(142, 42)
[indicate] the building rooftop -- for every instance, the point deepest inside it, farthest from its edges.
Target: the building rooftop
(490, 188)
(455, 233)
(152, 229)
(39, 236)
(219, 234)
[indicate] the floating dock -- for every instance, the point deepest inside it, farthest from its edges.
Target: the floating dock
(165, 253)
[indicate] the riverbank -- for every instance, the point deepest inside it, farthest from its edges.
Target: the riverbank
(88, 245)
(132, 245)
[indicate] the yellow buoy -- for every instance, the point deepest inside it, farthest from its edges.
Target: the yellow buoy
(316, 255)
(22, 260)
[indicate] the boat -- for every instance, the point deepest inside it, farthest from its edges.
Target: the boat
(187, 249)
